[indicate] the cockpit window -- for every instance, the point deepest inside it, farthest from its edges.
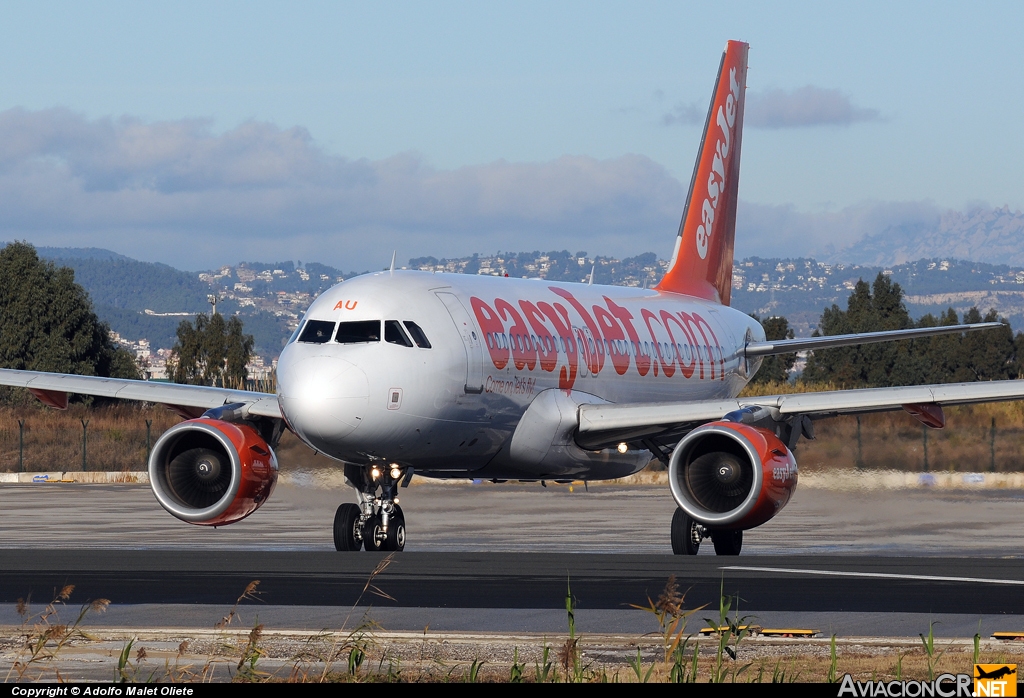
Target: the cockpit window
(394, 334)
(355, 332)
(418, 335)
(317, 331)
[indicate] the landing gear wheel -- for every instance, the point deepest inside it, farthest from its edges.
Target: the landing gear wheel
(686, 536)
(370, 534)
(396, 531)
(727, 542)
(346, 521)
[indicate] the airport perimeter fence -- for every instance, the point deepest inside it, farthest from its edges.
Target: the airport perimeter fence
(979, 438)
(117, 438)
(261, 385)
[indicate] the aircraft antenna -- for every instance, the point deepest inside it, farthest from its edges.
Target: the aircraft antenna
(393, 255)
(591, 282)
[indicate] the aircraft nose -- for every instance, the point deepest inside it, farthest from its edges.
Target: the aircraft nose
(324, 398)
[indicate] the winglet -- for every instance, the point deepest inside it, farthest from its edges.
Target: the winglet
(702, 260)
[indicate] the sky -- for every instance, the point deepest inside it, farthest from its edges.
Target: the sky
(201, 134)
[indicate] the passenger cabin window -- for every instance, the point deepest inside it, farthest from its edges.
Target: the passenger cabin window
(357, 332)
(418, 335)
(317, 332)
(394, 334)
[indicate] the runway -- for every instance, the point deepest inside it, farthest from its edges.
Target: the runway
(523, 580)
(519, 592)
(500, 558)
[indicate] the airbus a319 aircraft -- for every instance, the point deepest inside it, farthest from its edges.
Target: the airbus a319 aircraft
(407, 373)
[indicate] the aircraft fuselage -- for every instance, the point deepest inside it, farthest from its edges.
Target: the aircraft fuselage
(495, 344)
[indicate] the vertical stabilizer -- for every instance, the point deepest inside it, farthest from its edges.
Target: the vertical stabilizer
(702, 261)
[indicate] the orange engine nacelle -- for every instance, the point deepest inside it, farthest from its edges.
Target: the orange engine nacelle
(732, 476)
(211, 473)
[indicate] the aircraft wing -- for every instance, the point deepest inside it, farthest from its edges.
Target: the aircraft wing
(173, 394)
(787, 346)
(603, 424)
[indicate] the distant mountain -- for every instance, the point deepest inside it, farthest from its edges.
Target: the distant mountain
(995, 236)
(77, 253)
(122, 289)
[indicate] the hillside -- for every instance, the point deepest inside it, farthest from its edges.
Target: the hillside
(123, 289)
(77, 253)
(128, 284)
(271, 297)
(800, 289)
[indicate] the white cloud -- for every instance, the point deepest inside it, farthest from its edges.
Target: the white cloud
(805, 106)
(684, 114)
(178, 191)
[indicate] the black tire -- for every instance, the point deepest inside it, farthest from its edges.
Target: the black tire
(685, 539)
(396, 532)
(727, 542)
(346, 521)
(370, 543)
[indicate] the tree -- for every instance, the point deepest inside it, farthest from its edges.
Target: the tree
(212, 352)
(933, 359)
(868, 309)
(775, 369)
(238, 353)
(47, 322)
(985, 355)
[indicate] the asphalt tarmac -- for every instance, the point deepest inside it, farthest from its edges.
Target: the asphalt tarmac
(526, 518)
(501, 557)
(519, 580)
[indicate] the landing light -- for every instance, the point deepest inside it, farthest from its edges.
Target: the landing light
(396, 472)
(623, 447)
(374, 472)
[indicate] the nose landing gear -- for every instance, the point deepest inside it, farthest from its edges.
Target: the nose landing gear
(385, 532)
(376, 523)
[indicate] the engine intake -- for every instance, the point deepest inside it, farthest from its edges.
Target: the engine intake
(210, 472)
(731, 475)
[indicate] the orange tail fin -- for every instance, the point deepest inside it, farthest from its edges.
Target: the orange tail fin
(702, 261)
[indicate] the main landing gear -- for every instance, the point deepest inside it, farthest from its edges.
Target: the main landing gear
(687, 536)
(376, 523)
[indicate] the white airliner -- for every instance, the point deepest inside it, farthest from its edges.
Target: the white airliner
(456, 376)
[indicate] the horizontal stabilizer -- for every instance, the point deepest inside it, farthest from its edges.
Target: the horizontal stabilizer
(788, 346)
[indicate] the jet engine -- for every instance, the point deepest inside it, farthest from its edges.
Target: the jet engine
(727, 475)
(210, 472)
